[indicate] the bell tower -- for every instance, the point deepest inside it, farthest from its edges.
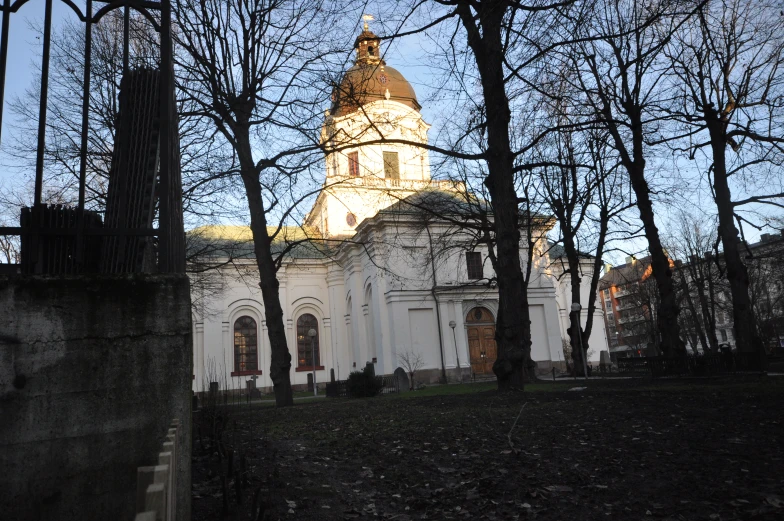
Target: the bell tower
(367, 45)
(364, 174)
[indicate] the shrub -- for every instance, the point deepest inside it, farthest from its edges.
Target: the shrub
(362, 384)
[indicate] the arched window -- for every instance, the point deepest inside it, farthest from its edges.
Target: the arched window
(245, 346)
(307, 353)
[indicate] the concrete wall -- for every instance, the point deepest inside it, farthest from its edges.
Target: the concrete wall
(92, 370)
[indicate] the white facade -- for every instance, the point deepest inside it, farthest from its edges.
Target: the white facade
(381, 295)
(598, 341)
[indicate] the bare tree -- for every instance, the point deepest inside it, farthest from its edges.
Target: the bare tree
(412, 362)
(582, 190)
(699, 276)
(498, 35)
(727, 73)
(64, 119)
(250, 67)
(618, 56)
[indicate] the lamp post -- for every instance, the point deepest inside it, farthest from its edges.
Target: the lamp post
(576, 307)
(312, 335)
(453, 324)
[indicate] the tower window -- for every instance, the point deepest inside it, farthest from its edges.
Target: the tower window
(370, 50)
(474, 265)
(353, 164)
(391, 165)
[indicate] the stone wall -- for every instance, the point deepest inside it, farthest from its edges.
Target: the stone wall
(92, 370)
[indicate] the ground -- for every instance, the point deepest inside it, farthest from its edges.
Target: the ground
(630, 449)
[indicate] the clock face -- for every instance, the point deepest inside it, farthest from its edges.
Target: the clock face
(351, 219)
(382, 78)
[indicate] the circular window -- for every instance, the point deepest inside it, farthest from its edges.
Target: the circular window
(383, 78)
(351, 219)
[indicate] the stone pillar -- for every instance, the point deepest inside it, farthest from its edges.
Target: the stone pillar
(462, 338)
(227, 352)
(264, 348)
(325, 357)
(336, 305)
(198, 362)
(365, 356)
(352, 356)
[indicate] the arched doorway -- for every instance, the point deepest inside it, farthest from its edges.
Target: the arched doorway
(481, 340)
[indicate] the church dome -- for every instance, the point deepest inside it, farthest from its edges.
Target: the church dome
(369, 79)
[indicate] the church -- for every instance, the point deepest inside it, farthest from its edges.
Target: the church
(400, 279)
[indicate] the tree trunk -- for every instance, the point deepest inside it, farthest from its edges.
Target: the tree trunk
(667, 319)
(737, 274)
(700, 271)
(280, 358)
(694, 315)
(513, 324)
(575, 326)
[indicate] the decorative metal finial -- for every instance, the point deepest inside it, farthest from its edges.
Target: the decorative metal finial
(367, 18)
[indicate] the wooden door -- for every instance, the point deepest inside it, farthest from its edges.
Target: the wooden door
(481, 340)
(475, 350)
(488, 344)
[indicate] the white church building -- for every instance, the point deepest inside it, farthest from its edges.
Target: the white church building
(393, 281)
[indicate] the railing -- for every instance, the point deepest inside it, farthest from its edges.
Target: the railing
(57, 240)
(156, 486)
(631, 320)
(627, 304)
(699, 365)
(340, 389)
(414, 184)
(389, 384)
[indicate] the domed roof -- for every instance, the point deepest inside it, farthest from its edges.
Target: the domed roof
(367, 82)
(370, 80)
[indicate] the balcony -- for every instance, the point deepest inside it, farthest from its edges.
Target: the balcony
(631, 320)
(396, 184)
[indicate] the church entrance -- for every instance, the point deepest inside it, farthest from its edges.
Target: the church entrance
(481, 340)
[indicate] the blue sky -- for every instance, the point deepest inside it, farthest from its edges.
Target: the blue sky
(24, 58)
(407, 55)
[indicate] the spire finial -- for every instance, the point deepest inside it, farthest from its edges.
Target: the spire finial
(367, 18)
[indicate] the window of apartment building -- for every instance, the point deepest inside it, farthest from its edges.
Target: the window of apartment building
(353, 164)
(723, 335)
(391, 165)
(474, 264)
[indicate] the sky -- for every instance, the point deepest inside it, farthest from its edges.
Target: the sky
(406, 55)
(24, 58)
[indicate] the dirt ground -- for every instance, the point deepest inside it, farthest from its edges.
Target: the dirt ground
(631, 449)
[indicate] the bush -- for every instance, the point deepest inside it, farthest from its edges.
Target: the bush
(362, 384)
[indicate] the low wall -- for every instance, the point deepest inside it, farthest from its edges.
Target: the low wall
(92, 371)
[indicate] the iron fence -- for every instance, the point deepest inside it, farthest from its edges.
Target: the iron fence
(65, 240)
(699, 365)
(387, 383)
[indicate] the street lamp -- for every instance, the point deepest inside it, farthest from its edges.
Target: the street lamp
(576, 307)
(312, 335)
(452, 324)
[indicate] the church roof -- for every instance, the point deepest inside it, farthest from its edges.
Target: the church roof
(220, 240)
(436, 201)
(439, 202)
(557, 251)
(370, 79)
